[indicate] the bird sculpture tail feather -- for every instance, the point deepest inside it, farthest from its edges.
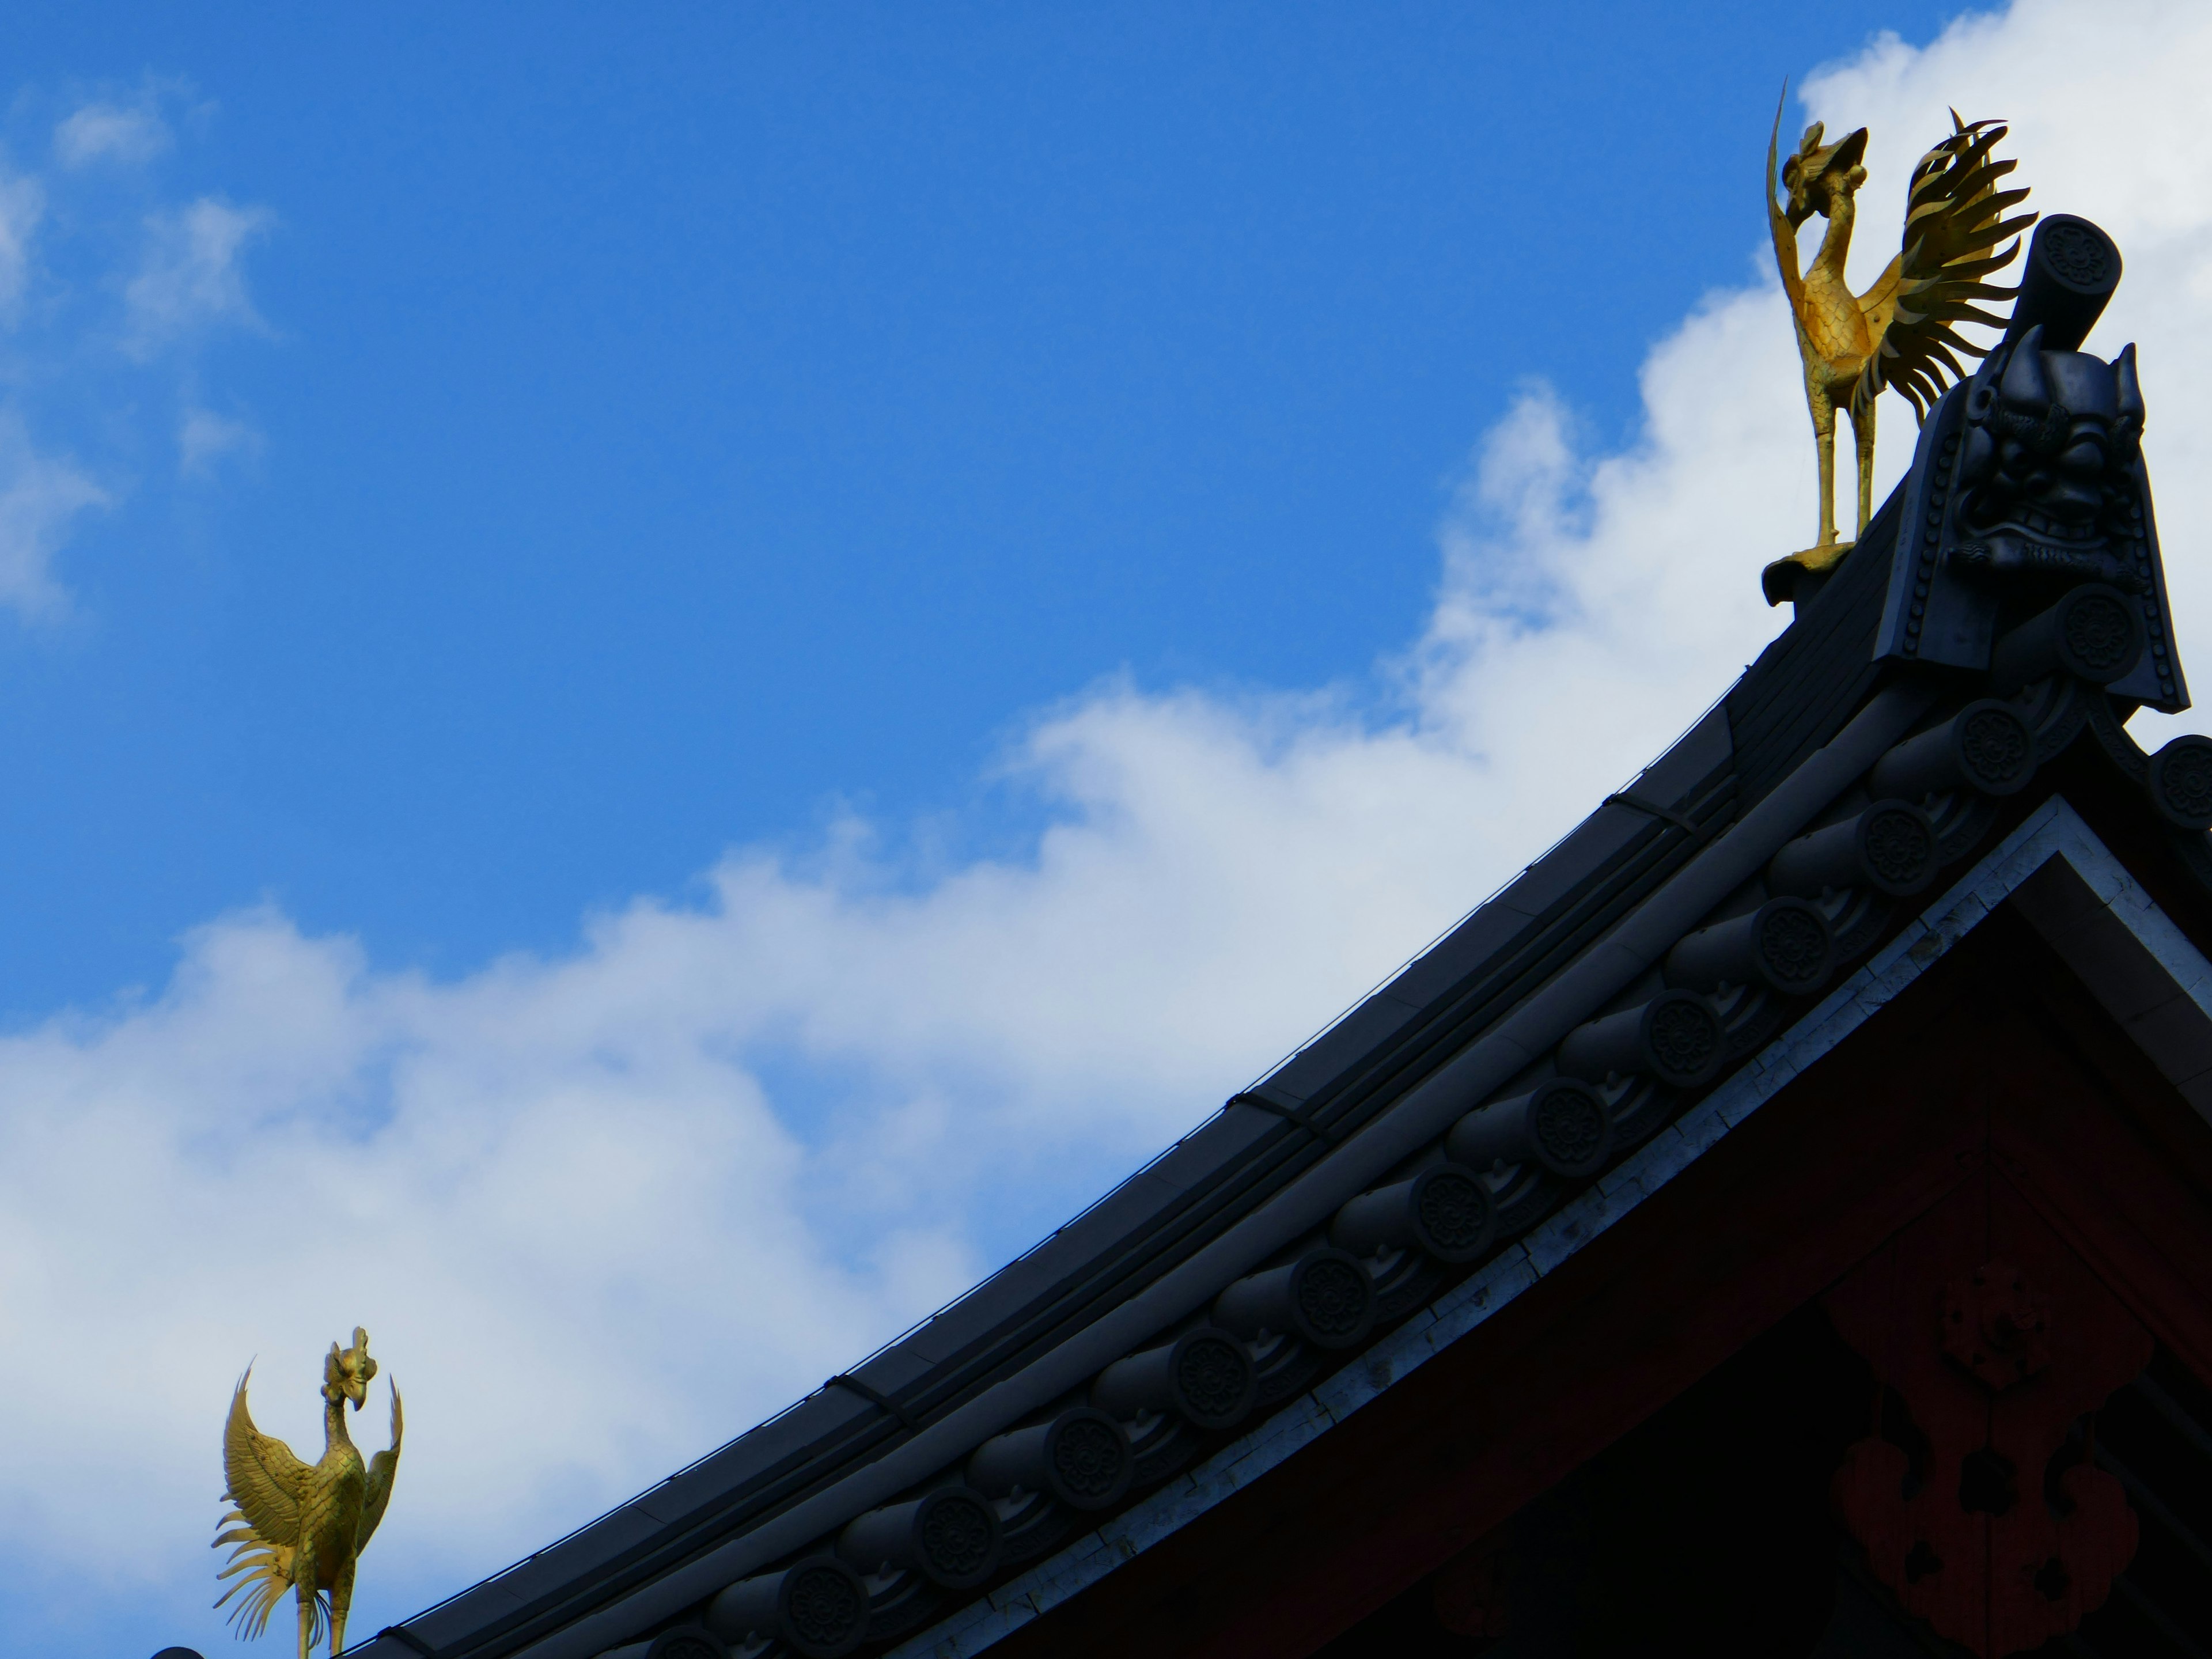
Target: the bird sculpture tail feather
(268, 1580)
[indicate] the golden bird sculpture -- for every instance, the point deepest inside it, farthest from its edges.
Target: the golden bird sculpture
(1901, 332)
(297, 1527)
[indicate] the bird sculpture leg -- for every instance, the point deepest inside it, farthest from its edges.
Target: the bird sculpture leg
(1824, 442)
(303, 1581)
(341, 1599)
(1862, 436)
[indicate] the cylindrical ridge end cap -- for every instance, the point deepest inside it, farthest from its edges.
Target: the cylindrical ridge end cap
(1455, 1216)
(1205, 1375)
(1675, 1037)
(2180, 782)
(825, 1608)
(1898, 851)
(1891, 847)
(2094, 633)
(1562, 1126)
(1987, 746)
(1682, 1034)
(2072, 268)
(1324, 1297)
(950, 1536)
(1087, 1460)
(1996, 747)
(2100, 634)
(686, 1642)
(818, 1607)
(1081, 1457)
(1446, 1210)
(1211, 1378)
(1785, 945)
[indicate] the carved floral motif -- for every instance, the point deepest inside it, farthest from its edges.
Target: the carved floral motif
(1995, 1339)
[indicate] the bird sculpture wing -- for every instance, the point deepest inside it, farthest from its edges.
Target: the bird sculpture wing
(381, 1469)
(270, 1487)
(1879, 303)
(1953, 223)
(268, 1484)
(1779, 221)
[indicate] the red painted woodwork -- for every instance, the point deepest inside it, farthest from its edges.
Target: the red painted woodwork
(1996, 1325)
(1468, 1591)
(1997, 1337)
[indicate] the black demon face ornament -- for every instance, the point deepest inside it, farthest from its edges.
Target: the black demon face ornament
(2047, 471)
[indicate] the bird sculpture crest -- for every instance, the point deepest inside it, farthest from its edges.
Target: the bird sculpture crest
(1901, 332)
(297, 1527)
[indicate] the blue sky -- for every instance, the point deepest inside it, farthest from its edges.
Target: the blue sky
(669, 686)
(665, 431)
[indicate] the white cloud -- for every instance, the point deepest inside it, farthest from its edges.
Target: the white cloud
(603, 1210)
(192, 275)
(40, 497)
(205, 438)
(183, 277)
(22, 204)
(101, 131)
(585, 1151)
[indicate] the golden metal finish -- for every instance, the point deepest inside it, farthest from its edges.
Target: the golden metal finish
(301, 1528)
(1898, 333)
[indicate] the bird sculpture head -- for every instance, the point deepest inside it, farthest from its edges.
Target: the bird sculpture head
(346, 1372)
(1819, 175)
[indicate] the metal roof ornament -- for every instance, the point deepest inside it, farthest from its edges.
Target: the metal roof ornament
(1899, 332)
(2025, 539)
(300, 1527)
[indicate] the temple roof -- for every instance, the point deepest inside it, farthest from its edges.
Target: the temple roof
(1574, 1039)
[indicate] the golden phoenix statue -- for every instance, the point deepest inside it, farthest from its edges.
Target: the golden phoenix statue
(298, 1527)
(1900, 332)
